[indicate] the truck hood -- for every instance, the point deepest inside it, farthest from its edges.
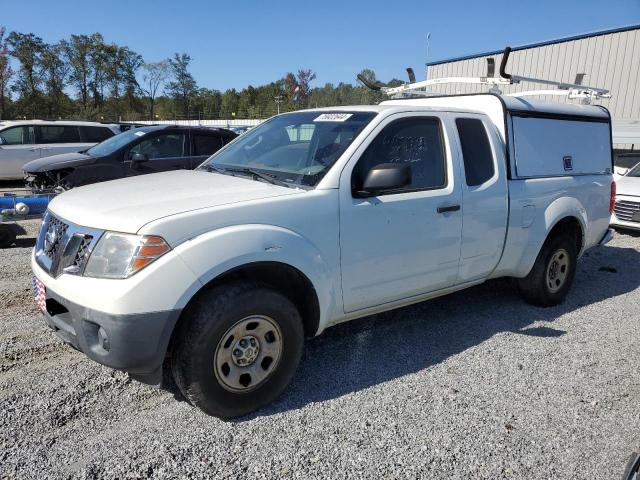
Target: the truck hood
(628, 186)
(128, 204)
(55, 162)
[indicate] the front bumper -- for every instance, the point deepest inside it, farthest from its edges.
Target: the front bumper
(136, 343)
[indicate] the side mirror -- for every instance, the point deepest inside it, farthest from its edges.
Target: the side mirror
(385, 176)
(138, 157)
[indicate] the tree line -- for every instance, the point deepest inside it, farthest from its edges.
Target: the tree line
(84, 77)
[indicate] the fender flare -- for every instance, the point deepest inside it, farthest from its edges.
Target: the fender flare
(558, 210)
(230, 248)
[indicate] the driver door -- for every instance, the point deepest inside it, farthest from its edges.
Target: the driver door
(406, 242)
(158, 153)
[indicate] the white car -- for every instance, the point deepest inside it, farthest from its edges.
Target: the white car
(25, 140)
(314, 218)
(627, 207)
(623, 163)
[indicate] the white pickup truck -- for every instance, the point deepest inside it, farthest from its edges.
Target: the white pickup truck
(314, 218)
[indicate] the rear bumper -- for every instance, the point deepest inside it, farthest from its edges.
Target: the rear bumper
(136, 343)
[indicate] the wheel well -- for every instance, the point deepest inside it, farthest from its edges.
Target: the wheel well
(572, 227)
(283, 278)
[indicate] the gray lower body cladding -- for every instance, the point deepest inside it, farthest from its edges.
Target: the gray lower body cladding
(134, 343)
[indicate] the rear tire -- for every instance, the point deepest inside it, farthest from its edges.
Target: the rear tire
(551, 277)
(238, 348)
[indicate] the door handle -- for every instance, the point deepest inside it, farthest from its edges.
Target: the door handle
(448, 208)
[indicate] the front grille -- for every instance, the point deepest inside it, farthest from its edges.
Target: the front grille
(625, 210)
(83, 251)
(63, 247)
(53, 236)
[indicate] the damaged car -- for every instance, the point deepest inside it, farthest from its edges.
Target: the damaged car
(137, 151)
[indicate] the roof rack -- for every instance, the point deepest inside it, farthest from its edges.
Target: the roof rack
(571, 90)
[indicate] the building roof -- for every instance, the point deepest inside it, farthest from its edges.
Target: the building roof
(535, 45)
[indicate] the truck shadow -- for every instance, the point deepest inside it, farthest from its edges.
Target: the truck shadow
(366, 352)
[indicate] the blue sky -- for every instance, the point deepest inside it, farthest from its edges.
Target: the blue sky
(241, 42)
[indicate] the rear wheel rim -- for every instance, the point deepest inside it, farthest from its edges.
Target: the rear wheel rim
(557, 270)
(248, 353)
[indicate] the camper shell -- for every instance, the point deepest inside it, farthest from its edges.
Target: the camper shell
(541, 139)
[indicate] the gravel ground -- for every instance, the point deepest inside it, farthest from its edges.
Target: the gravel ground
(474, 385)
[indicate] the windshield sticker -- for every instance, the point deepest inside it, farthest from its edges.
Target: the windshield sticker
(139, 134)
(333, 117)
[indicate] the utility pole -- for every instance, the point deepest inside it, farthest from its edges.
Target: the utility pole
(427, 58)
(278, 99)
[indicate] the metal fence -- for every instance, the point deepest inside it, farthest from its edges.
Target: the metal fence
(204, 123)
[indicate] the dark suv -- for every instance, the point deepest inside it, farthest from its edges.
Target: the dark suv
(135, 152)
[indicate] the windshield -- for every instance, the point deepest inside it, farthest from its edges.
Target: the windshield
(296, 148)
(112, 144)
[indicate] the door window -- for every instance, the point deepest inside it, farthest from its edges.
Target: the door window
(476, 151)
(95, 134)
(57, 134)
(169, 145)
(206, 145)
(415, 141)
(17, 136)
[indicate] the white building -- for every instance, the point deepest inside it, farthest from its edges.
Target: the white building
(608, 59)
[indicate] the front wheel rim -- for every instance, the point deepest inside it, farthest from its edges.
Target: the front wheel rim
(557, 270)
(248, 353)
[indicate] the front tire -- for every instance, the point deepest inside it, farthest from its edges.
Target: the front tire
(238, 348)
(7, 236)
(551, 277)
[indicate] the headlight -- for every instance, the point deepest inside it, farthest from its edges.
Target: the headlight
(120, 255)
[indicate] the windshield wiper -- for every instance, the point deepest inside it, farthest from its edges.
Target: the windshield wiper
(212, 168)
(267, 177)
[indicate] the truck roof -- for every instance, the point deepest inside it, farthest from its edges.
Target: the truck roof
(477, 103)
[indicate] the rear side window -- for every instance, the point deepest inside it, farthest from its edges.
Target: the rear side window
(17, 136)
(57, 134)
(476, 151)
(95, 134)
(166, 145)
(206, 145)
(414, 141)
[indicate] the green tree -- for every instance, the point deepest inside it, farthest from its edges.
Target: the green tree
(55, 78)
(27, 49)
(153, 77)
(183, 87)
(229, 104)
(6, 72)
(78, 51)
(99, 57)
(132, 62)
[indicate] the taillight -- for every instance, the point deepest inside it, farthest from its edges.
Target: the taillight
(612, 199)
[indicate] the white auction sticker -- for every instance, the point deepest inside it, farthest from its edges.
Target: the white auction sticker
(333, 117)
